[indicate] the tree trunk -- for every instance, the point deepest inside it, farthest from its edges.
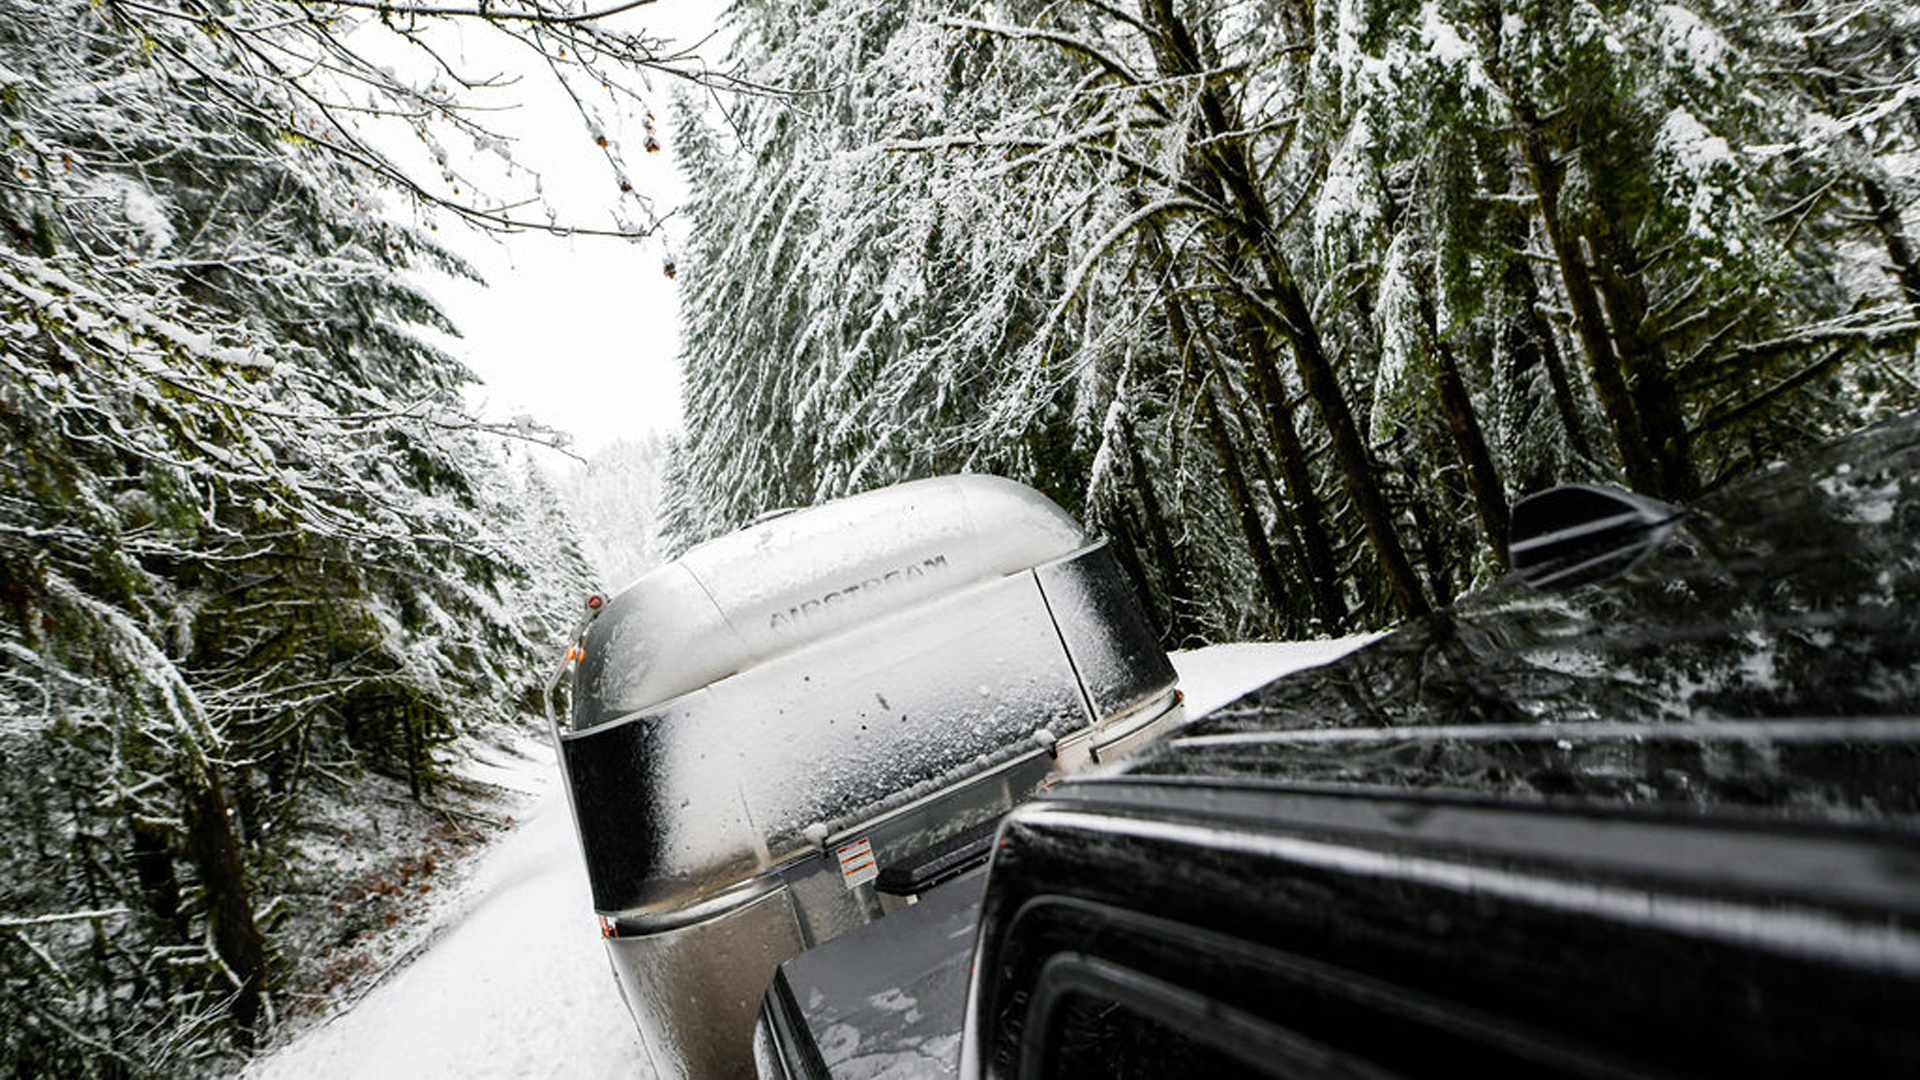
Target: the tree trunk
(1884, 214)
(1222, 165)
(236, 938)
(1893, 234)
(1300, 621)
(1231, 474)
(1432, 546)
(1527, 339)
(1589, 322)
(1655, 400)
(1542, 337)
(1310, 514)
(1463, 422)
(1283, 536)
(1323, 386)
(1179, 594)
(410, 729)
(153, 869)
(1544, 177)
(1303, 505)
(1250, 525)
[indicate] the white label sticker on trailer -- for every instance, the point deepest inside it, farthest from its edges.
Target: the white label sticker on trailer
(856, 863)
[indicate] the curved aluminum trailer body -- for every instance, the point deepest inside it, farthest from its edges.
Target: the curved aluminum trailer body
(794, 729)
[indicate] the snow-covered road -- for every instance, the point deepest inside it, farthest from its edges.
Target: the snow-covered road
(518, 984)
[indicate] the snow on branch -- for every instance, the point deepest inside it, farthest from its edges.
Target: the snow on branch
(545, 14)
(312, 70)
(1077, 279)
(15, 922)
(142, 659)
(1091, 50)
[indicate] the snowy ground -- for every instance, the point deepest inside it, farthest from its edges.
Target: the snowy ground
(516, 982)
(1215, 675)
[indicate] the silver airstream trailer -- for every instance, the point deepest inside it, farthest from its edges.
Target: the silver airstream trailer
(795, 729)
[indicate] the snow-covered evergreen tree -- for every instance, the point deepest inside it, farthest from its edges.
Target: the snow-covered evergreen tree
(249, 544)
(614, 503)
(1362, 273)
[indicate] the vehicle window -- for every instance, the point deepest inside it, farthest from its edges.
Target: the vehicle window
(1100, 1039)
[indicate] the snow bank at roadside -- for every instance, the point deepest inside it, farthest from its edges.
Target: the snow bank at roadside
(1218, 674)
(514, 983)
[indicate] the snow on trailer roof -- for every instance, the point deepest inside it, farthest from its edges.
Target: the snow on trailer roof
(801, 577)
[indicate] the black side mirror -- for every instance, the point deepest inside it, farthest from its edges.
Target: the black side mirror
(1577, 534)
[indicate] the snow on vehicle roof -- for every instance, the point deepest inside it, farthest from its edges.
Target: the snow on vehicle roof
(802, 577)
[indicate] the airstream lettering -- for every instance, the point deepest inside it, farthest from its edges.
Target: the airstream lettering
(718, 763)
(786, 619)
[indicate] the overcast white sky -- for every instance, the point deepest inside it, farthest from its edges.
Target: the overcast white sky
(581, 333)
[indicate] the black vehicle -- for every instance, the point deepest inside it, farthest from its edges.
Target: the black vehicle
(1668, 822)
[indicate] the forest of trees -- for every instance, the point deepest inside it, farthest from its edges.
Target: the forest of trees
(614, 501)
(253, 551)
(1292, 300)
